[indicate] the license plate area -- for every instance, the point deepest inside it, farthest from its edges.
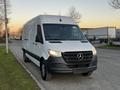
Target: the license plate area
(77, 71)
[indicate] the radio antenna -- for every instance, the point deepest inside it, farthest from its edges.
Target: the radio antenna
(60, 17)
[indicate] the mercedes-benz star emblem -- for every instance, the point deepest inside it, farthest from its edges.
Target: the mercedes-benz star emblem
(80, 56)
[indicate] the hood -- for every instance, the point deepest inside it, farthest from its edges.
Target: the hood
(65, 46)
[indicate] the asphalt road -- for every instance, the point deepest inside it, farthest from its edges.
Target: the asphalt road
(106, 77)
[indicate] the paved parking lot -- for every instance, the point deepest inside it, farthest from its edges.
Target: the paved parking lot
(107, 76)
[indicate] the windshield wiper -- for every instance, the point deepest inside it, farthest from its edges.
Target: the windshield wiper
(84, 41)
(54, 41)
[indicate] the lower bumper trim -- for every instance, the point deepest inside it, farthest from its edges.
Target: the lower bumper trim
(74, 70)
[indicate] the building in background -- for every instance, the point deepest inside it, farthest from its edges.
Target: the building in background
(103, 34)
(118, 33)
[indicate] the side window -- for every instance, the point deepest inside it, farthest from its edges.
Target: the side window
(39, 35)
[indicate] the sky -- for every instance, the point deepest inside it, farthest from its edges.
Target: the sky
(94, 13)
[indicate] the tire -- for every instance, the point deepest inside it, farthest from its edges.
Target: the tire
(45, 74)
(87, 74)
(25, 57)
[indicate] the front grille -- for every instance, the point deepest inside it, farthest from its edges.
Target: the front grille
(77, 59)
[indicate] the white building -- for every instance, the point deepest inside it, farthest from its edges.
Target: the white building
(118, 33)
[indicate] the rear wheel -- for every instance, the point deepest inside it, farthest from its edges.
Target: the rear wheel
(87, 74)
(25, 57)
(45, 74)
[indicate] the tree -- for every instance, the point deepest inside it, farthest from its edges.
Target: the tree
(20, 32)
(74, 14)
(1, 16)
(0, 29)
(2, 8)
(2, 12)
(115, 4)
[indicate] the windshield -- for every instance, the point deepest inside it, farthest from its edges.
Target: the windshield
(62, 32)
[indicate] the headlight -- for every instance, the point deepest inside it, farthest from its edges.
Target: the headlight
(94, 51)
(55, 53)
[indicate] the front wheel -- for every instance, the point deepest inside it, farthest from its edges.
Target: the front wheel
(87, 74)
(44, 71)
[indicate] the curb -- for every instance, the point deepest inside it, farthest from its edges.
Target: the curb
(30, 73)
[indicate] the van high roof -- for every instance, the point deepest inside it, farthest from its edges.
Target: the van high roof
(53, 19)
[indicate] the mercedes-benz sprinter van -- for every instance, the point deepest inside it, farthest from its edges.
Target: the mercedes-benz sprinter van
(56, 45)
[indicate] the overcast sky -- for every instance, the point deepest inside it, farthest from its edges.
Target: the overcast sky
(95, 13)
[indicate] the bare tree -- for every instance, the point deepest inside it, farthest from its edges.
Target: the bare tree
(0, 29)
(2, 12)
(2, 8)
(20, 30)
(74, 14)
(115, 4)
(1, 16)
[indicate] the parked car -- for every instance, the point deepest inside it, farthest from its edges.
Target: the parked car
(56, 45)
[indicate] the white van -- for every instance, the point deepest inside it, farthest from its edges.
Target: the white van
(56, 45)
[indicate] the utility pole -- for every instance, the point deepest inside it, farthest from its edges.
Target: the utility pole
(6, 27)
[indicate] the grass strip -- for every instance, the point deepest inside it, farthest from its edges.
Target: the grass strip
(12, 75)
(115, 47)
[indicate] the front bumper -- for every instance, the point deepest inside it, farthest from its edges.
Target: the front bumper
(58, 65)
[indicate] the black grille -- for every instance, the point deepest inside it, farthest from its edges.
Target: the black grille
(77, 59)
